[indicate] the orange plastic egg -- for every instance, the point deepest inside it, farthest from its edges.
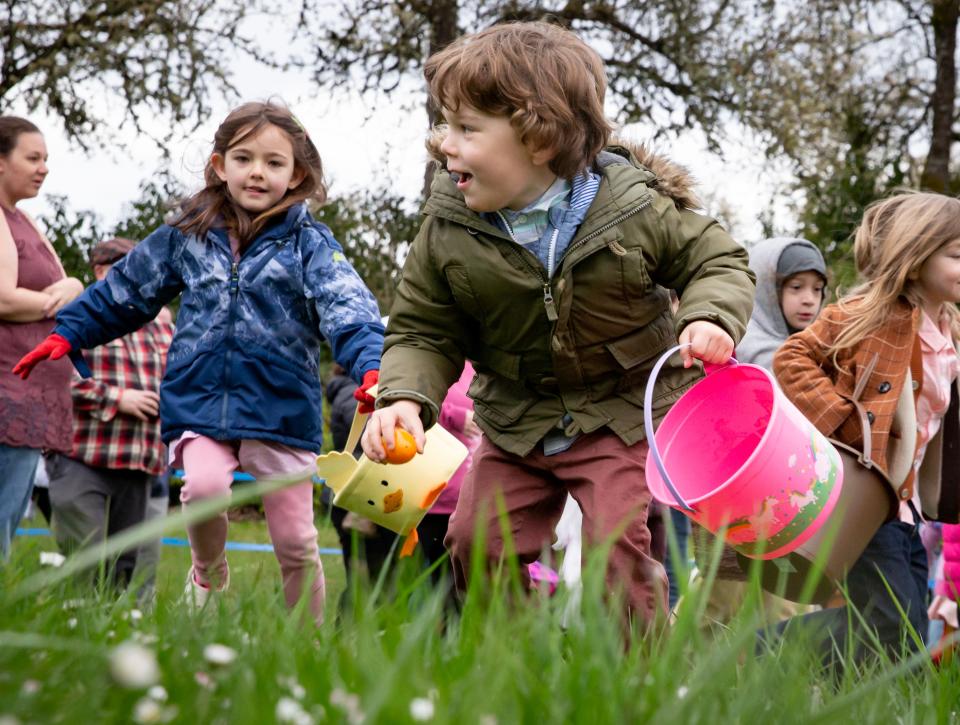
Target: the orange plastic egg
(404, 447)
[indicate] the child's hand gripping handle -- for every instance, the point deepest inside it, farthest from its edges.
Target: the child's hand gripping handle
(648, 419)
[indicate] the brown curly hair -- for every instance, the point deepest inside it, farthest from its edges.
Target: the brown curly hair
(544, 78)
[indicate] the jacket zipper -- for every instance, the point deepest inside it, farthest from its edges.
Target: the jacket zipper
(548, 301)
(234, 293)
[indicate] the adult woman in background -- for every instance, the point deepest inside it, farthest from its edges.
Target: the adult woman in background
(33, 287)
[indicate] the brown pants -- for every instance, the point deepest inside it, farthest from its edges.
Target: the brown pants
(608, 481)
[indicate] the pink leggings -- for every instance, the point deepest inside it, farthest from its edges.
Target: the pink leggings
(208, 471)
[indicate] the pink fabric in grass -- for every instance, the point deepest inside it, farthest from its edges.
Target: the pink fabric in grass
(453, 416)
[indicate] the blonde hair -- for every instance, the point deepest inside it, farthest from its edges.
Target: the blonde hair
(544, 78)
(894, 239)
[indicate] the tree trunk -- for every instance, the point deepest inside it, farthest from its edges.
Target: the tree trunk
(443, 31)
(936, 172)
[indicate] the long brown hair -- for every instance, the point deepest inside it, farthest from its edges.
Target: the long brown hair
(897, 235)
(213, 204)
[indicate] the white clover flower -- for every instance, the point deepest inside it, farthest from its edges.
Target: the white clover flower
(158, 693)
(147, 711)
(219, 654)
(133, 665)
(421, 709)
(52, 558)
(134, 615)
(72, 623)
(349, 703)
(682, 692)
(290, 711)
(145, 638)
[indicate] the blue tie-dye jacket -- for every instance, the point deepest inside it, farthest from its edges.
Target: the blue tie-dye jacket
(243, 363)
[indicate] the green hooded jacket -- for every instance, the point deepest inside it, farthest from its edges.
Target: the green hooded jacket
(581, 343)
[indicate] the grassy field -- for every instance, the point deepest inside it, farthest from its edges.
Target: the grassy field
(71, 655)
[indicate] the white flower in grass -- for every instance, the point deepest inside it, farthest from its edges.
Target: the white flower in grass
(133, 665)
(72, 623)
(30, 687)
(158, 693)
(290, 683)
(52, 558)
(290, 711)
(147, 711)
(134, 615)
(682, 692)
(349, 703)
(421, 709)
(219, 654)
(145, 638)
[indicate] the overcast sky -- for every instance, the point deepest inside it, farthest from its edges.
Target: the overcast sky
(361, 141)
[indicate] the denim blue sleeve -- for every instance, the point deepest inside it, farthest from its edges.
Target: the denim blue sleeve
(348, 312)
(129, 297)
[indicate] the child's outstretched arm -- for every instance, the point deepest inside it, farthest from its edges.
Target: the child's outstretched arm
(133, 293)
(803, 368)
(347, 310)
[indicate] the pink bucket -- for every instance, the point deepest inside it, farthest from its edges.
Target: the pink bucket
(741, 456)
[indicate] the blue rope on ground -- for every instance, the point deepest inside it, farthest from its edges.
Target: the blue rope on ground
(169, 541)
(176, 478)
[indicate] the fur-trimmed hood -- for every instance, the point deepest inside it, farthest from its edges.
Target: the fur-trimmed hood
(672, 179)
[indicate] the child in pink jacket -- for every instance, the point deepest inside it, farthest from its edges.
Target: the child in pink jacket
(456, 415)
(947, 591)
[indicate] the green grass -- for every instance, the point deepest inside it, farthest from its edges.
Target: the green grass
(506, 660)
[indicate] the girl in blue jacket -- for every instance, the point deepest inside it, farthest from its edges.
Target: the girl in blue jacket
(261, 285)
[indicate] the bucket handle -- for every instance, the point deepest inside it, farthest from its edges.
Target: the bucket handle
(648, 418)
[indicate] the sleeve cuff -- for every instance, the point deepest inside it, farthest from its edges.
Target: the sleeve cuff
(429, 411)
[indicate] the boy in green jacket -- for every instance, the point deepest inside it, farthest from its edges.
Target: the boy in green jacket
(545, 259)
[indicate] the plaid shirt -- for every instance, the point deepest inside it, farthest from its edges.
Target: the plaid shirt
(103, 436)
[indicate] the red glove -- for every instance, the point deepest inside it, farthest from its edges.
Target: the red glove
(366, 400)
(53, 348)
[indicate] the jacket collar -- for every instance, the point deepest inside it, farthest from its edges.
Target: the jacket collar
(278, 227)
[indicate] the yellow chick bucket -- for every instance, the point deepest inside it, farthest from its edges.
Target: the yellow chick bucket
(396, 496)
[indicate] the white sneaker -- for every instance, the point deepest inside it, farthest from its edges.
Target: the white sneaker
(196, 596)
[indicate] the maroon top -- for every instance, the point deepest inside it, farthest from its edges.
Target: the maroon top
(37, 412)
